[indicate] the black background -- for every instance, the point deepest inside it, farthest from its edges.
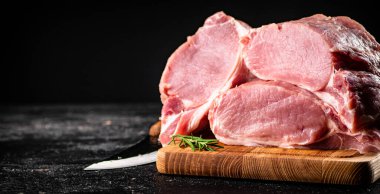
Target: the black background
(86, 52)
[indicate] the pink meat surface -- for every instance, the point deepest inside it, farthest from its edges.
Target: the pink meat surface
(334, 57)
(270, 113)
(316, 84)
(306, 52)
(208, 63)
(275, 113)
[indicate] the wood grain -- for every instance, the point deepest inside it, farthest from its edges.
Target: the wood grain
(318, 166)
(155, 129)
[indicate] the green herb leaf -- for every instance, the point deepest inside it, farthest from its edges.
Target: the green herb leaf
(196, 142)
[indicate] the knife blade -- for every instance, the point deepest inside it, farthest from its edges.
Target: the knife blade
(143, 152)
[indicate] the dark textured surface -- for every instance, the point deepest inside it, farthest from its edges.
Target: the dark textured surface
(45, 148)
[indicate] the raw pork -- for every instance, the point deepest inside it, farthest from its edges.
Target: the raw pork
(209, 62)
(275, 113)
(334, 57)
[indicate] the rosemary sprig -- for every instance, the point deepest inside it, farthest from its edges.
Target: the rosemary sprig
(196, 142)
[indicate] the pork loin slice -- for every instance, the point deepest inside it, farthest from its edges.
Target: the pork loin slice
(334, 57)
(306, 52)
(270, 113)
(209, 62)
(275, 113)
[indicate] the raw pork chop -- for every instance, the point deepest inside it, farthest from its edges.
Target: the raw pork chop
(209, 62)
(275, 113)
(334, 57)
(269, 113)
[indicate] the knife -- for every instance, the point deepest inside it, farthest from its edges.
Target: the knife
(143, 152)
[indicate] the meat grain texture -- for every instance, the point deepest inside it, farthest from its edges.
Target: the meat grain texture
(308, 83)
(209, 63)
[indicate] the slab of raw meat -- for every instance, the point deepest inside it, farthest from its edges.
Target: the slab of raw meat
(306, 52)
(270, 113)
(209, 62)
(275, 113)
(334, 57)
(322, 89)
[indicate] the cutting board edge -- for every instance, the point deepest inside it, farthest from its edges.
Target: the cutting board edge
(161, 161)
(375, 165)
(355, 169)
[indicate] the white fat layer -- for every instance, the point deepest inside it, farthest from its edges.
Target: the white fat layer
(187, 103)
(332, 101)
(168, 121)
(198, 115)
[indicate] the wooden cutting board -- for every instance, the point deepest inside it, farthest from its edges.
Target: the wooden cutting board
(318, 166)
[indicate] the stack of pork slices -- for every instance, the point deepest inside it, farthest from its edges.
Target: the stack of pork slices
(309, 83)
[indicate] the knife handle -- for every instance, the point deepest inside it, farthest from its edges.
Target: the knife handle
(155, 129)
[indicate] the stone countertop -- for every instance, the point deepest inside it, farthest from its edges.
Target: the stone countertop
(44, 148)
